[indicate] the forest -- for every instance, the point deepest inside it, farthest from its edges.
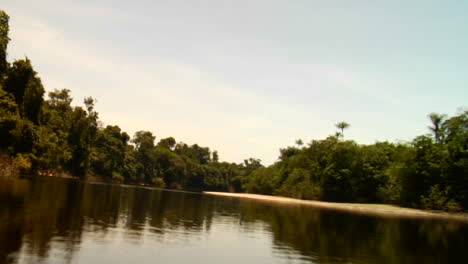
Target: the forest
(45, 134)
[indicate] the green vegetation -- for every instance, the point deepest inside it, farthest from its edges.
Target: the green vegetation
(429, 172)
(50, 136)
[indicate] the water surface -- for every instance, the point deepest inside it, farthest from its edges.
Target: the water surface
(52, 220)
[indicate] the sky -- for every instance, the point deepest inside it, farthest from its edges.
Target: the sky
(248, 77)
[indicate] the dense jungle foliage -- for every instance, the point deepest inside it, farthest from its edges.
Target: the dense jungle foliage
(40, 135)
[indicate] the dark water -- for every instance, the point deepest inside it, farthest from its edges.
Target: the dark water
(51, 220)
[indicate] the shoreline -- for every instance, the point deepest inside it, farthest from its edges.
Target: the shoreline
(365, 209)
(384, 210)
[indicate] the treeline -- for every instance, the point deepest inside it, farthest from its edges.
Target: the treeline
(429, 172)
(49, 136)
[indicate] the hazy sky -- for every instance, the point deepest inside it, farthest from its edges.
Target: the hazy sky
(248, 77)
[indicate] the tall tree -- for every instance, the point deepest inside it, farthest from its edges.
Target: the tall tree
(108, 157)
(22, 81)
(145, 155)
(299, 142)
(215, 156)
(4, 28)
(342, 126)
(83, 129)
(437, 121)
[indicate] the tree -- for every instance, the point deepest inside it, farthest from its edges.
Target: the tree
(82, 134)
(78, 138)
(168, 143)
(199, 154)
(456, 143)
(342, 126)
(4, 39)
(145, 155)
(143, 140)
(437, 126)
(299, 142)
(60, 100)
(260, 181)
(53, 149)
(108, 159)
(22, 82)
(9, 118)
(215, 157)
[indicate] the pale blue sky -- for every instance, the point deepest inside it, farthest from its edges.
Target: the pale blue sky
(249, 77)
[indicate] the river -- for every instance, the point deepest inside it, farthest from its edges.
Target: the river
(54, 220)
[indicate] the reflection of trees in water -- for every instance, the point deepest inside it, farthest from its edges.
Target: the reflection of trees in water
(38, 215)
(35, 213)
(330, 235)
(10, 232)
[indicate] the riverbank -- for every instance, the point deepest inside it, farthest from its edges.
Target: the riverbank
(367, 209)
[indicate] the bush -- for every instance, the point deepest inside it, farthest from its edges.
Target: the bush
(437, 199)
(159, 182)
(23, 163)
(298, 185)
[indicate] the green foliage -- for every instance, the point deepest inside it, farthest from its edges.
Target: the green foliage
(159, 182)
(429, 172)
(4, 39)
(81, 137)
(435, 199)
(109, 152)
(51, 150)
(22, 82)
(168, 143)
(23, 163)
(9, 118)
(215, 156)
(299, 185)
(201, 154)
(24, 136)
(342, 126)
(456, 158)
(437, 127)
(145, 155)
(52, 135)
(261, 181)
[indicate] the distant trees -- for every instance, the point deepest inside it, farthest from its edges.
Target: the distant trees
(427, 172)
(433, 172)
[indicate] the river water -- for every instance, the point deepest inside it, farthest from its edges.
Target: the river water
(53, 220)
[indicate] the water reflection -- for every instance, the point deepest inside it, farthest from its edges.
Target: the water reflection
(48, 220)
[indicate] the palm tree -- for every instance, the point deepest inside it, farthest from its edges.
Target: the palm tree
(436, 128)
(342, 126)
(299, 142)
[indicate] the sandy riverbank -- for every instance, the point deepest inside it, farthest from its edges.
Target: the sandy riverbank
(368, 209)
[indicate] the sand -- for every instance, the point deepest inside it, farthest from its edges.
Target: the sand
(368, 209)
